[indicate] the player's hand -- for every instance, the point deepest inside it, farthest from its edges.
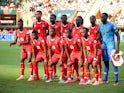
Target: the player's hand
(19, 44)
(45, 61)
(9, 44)
(116, 51)
(60, 61)
(80, 61)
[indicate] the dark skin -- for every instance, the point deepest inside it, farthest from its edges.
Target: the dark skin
(35, 37)
(78, 21)
(53, 21)
(38, 16)
(64, 20)
(20, 27)
(93, 21)
(52, 36)
(104, 21)
(94, 64)
(69, 36)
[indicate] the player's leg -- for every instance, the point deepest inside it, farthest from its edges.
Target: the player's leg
(94, 65)
(106, 65)
(55, 59)
(35, 65)
(62, 70)
(22, 65)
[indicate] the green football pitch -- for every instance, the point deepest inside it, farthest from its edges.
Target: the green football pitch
(9, 71)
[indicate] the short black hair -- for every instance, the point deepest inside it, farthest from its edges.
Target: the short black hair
(70, 30)
(35, 32)
(39, 11)
(64, 15)
(20, 20)
(85, 28)
(53, 29)
(93, 16)
(53, 15)
(105, 14)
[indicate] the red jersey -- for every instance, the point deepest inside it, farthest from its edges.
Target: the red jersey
(56, 26)
(73, 44)
(54, 44)
(21, 35)
(41, 27)
(93, 31)
(38, 44)
(77, 31)
(88, 43)
(64, 27)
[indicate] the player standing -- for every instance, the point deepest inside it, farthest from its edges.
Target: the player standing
(42, 27)
(24, 37)
(108, 30)
(93, 33)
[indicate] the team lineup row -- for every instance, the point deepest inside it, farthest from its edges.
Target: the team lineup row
(72, 46)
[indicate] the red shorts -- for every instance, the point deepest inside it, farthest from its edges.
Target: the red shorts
(91, 57)
(56, 57)
(40, 56)
(25, 52)
(75, 56)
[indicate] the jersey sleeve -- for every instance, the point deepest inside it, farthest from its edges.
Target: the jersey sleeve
(114, 29)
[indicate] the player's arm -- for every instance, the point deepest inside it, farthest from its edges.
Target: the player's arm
(26, 42)
(45, 52)
(14, 42)
(81, 49)
(67, 53)
(62, 52)
(118, 42)
(33, 51)
(85, 52)
(95, 50)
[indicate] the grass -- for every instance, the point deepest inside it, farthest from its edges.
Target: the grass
(9, 71)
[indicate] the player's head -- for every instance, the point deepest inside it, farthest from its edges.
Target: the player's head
(52, 18)
(52, 32)
(34, 34)
(64, 18)
(84, 32)
(20, 23)
(68, 33)
(38, 14)
(79, 21)
(104, 17)
(92, 19)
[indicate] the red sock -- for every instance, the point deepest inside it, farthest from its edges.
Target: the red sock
(54, 69)
(22, 67)
(93, 72)
(88, 74)
(72, 73)
(65, 69)
(35, 67)
(69, 70)
(82, 72)
(47, 71)
(31, 68)
(62, 72)
(51, 72)
(96, 76)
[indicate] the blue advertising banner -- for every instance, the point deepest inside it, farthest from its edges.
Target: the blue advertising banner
(58, 13)
(7, 37)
